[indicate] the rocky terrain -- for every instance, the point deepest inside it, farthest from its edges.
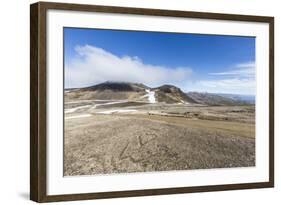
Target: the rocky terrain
(118, 127)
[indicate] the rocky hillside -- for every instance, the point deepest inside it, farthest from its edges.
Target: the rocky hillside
(214, 99)
(117, 87)
(124, 91)
(107, 91)
(129, 92)
(172, 94)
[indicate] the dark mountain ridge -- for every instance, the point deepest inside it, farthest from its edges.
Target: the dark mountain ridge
(117, 86)
(170, 94)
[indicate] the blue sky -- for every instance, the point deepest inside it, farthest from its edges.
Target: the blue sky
(194, 62)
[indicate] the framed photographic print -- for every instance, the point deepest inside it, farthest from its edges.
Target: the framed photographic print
(134, 102)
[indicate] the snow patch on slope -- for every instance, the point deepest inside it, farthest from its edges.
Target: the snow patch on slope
(78, 116)
(71, 110)
(116, 111)
(150, 95)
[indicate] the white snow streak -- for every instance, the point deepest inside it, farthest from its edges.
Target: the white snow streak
(76, 108)
(112, 103)
(116, 111)
(78, 101)
(78, 116)
(150, 95)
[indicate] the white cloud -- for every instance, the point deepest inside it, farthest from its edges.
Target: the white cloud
(246, 65)
(238, 80)
(231, 85)
(95, 65)
(242, 70)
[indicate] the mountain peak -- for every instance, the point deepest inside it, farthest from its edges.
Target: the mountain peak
(117, 86)
(112, 90)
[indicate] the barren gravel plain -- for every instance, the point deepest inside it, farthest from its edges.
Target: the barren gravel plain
(105, 137)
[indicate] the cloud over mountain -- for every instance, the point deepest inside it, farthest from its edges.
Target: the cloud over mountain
(92, 65)
(95, 65)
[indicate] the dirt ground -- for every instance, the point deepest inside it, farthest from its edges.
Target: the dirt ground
(177, 139)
